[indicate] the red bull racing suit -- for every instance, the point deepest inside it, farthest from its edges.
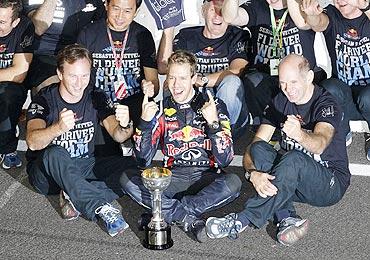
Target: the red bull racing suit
(194, 152)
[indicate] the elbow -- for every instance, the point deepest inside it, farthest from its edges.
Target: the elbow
(162, 67)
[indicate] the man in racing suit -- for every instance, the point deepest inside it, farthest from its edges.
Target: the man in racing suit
(194, 132)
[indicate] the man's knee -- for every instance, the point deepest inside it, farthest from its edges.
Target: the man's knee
(258, 149)
(231, 85)
(363, 100)
(55, 152)
(337, 88)
(233, 182)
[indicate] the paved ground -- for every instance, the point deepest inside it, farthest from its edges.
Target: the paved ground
(31, 227)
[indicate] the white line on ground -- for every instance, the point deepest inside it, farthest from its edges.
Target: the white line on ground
(9, 193)
(355, 169)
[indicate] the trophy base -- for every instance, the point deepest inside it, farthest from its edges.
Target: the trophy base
(158, 239)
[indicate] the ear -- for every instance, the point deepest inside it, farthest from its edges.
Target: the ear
(16, 22)
(194, 78)
(204, 6)
(60, 74)
(310, 76)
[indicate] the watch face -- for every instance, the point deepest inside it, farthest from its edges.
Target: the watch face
(215, 125)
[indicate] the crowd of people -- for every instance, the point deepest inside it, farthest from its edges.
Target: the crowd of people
(92, 72)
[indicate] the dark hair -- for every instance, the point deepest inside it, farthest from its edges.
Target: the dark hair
(138, 3)
(16, 6)
(183, 57)
(70, 54)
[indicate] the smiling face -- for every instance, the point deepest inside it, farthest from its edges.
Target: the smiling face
(215, 26)
(180, 82)
(6, 21)
(120, 14)
(74, 79)
(348, 11)
(295, 79)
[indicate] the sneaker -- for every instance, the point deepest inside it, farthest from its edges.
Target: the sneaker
(11, 160)
(367, 145)
(195, 227)
(348, 139)
(113, 219)
(227, 226)
(67, 209)
(290, 230)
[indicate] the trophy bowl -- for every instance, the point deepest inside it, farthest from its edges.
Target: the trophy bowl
(157, 232)
(156, 178)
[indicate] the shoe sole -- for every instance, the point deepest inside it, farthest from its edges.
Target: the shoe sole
(119, 231)
(293, 234)
(9, 167)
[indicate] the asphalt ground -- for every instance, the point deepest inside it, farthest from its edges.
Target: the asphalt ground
(32, 228)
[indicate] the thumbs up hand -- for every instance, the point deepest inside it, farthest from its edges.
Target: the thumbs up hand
(149, 109)
(209, 110)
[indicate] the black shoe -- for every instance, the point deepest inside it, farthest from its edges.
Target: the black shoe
(198, 230)
(195, 227)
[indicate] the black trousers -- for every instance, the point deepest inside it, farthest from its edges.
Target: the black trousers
(12, 97)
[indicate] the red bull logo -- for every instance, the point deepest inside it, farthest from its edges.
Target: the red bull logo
(186, 134)
(172, 150)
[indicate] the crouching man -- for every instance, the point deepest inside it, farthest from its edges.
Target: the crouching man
(61, 123)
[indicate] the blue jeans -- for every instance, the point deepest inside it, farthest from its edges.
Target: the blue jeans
(231, 92)
(191, 191)
(355, 100)
(89, 182)
(298, 178)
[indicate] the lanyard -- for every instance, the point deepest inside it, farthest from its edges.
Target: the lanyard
(277, 31)
(118, 60)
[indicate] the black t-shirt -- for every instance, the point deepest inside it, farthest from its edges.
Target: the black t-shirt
(139, 53)
(213, 55)
(348, 42)
(322, 107)
(294, 40)
(70, 16)
(19, 40)
(89, 111)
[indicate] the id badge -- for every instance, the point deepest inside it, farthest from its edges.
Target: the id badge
(274, 65)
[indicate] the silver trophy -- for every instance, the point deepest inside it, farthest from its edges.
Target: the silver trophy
(158, 232)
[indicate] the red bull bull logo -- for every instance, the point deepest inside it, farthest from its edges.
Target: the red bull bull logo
(186, 134)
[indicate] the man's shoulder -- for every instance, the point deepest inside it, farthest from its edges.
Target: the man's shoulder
(139, 28)
(48, 92)
(190, 32)
(95, 27)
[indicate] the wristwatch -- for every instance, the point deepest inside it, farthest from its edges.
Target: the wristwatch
(128, 126)
(248, 173)
(204, 81)
(214, 125)
(366, 8)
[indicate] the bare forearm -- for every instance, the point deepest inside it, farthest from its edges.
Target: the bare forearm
(165, 49)
(314, 143)
(230, 10)
(40, 138)
(12, 74)
(318, 23)
(120, 134)
(43, 16)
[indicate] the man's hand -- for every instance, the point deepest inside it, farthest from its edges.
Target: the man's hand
(66, 120)
(122, 115)
(262, 183)
(311, 7)
(149, 109)
(292, 128)
(209, 110)
(147, 87)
